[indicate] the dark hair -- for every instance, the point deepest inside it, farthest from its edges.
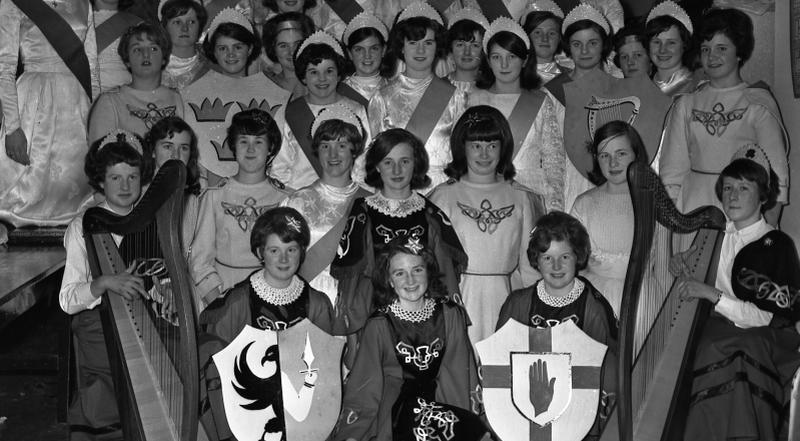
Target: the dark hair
(581, 25)
(255, 122)
(384, 294)
(529, 78)
(534, 19)
(624, 36)
(662, 23)
(748, 170)
(276, 221)
(559, 226)
(464, 30)
(411, 29)
(732, 23)
(481, 123)
(356, 37)
(383, 144)
(312, 55)
(611, 130)
(98, 160)
(176, 8)
(334, 129)
(271, 29)
(166, 128)
(153, 32)
(236, 32)
(273, 5)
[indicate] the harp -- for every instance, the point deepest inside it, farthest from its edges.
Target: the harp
(603, 110)
(151, 341)
(657, 327)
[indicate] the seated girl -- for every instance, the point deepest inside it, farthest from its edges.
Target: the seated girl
(747, 353)
(465, 47)
(365, 39)
(414, 356)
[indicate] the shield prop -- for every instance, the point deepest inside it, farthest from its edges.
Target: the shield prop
(541, 384)
(309, 378)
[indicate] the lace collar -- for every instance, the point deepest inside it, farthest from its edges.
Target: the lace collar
(559, 302)
(276, 296)
(396, 207)
(417, 316)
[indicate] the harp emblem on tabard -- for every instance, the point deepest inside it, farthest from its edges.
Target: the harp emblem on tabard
(603, 110)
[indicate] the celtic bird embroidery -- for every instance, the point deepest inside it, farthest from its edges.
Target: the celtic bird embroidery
(246, 214)
(486, 218)
(152, 114)
(716, 121)
(422, 356)
(388, 234)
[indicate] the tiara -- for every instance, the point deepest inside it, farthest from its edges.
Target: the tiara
(585, 11)
(674, 10)
(228, 15)
(365, 20)
(413, 245)
(161, 4)
(120, 135)
(321, 37)
(293, 223)
(336, 112)
(419, 9)
(505, 24)
(755, 153)
(470, 14)
(542, 6)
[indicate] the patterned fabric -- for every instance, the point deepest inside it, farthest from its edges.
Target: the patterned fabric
(133, 110)
(181, 72)
(366, 86)
(110, 68)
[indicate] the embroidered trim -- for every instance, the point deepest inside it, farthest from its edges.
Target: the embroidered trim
(276, 296)
(559, 302)
(396, 207)
(417, 316)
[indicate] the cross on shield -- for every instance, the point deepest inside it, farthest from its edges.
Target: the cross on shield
(541, 384)
(303, 361)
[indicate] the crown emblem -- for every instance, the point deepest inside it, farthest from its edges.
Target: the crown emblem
(470, 14)
(228, 15)
(336, 112)
(365, 20)
(505, 24)
(263, 105)
(120, 135)
(321, 37)
(674, 10)
(223, 150)
(585, 11)
(755, 153)
(419, 9)
(161, 6)
(542, 6)
(208, 111)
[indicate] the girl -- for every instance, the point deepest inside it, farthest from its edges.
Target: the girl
(489, 211)
(115, 168)
(418, 39)
(145, 50)
(231, 44)
(668, 38)
(606, 210)
(751, 334)
(365, 39)
(282, 36)
(219, 257)
(319, 64)
(508, 81)
(396, 165)
(630, 53)
(413, 315)
(183, 20)
(464, 37)
(542, 22)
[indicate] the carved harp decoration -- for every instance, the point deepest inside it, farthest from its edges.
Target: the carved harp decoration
(603, 110)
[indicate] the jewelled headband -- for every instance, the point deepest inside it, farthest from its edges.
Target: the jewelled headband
(470, 14)
(420, 9)
(120, 135)
(289, 25)
(585, 11)
(293, 223)
(674, 10)
(413, 245)
(505, 24)
(364, 20)
(755, 153)
(336, 112)
(321, 37)
(161, 6)
(229, 15)
(542, 6)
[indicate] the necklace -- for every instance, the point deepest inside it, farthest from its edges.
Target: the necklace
(417, 316)
(396, 207)
(276, 296)
(559, 302)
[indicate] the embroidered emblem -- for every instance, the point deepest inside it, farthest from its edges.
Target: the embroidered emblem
(265, 322)
(431, 416)
(768, 242)
(246, 214)
(486, 218)
(388, 234)
(716, 121)
(765, 289)
(413, 245)
(152, 114)
(421, 356)
(260, 391)
(540, 322)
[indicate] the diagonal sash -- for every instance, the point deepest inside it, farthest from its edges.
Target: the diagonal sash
(300, 119)
(61, 36)
(113, 28)
(345, 9)
(347, 91)
(440, 5)
(430, 108)
(522, 116)
(321, 254)
(493, 9)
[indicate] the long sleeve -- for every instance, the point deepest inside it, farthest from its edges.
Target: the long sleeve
(674, 162)
(75, 294)
(10, 29)
(553, 155)
(743, 314)
(103, 117)
(204, 250)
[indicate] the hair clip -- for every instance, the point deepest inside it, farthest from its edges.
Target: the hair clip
(413, 245)
(120, 135)
(473, 118)
(289, 25)
(293, 223)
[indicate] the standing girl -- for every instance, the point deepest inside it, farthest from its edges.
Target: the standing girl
(365, 39)
(542, 22)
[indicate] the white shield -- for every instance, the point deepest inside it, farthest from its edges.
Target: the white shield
(556, 369)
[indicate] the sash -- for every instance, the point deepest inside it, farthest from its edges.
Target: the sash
(522, 115)
(300, 119)
(321, 254)
(430, 108)
(63, 39)
(113, 28)
(214, 7)
(440, 5)
(347, 91)
(492, 9)
(345, 9)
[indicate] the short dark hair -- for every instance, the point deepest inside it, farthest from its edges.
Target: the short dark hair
(176, 8)
(732, 23)
(383, 144)
(281, 221)
(272, 28)
(559, 226)
(581, 25)
(255, 122)
(98, 160)
(411, 29)
(611, 130)
(273, 5)
(481, 123)
(154, 32)
(529, 77)
(334, 129)
(534, 19)
(464, 30)
(356, 37)
(748, 170)
(624, 36)
(166, 128)
(384, 294)
(237, 32)
(314, 54)
(663, 23)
